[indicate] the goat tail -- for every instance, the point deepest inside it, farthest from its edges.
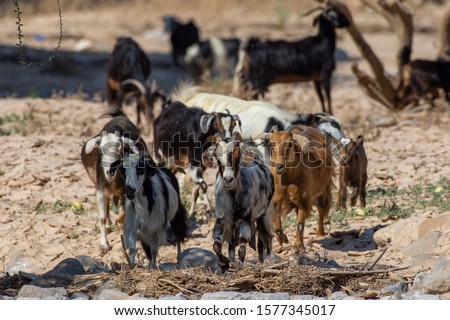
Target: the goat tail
(179, 223)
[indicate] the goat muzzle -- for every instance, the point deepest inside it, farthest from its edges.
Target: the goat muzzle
(130, 192)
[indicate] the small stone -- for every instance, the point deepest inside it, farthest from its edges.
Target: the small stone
(437, 280)
(79, 296)
(111, 284)
(113, 294)
(231, 295)
(199, 257)
(178, 296)
(339, 295)
(393, 288)
(34, 292)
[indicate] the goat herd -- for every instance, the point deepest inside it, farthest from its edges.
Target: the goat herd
(270, 162)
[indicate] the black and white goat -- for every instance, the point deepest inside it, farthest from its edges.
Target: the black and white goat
(128, 71)
(219, 56)
(244, 189)
(310, 59)
(182, 35)
(181, 134)
(98, 155)
(153, 205)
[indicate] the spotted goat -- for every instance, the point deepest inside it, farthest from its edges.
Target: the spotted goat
(244, 188)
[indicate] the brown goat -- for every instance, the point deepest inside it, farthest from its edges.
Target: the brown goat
(302, 166)
(352, 171)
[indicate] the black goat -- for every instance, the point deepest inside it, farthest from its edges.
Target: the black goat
(128, 71)
(310, 59)
(216, 55)
(98, 155)
(425, 76)
(181, 36)
(183, 133)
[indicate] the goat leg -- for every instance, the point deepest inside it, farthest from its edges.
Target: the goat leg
(301, 217)
(362, 195)
(103, 207)
(355, 194)
(245, 234)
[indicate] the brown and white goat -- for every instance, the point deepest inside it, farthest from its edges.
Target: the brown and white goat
(302, 166)
(98, 155)
(352, 171)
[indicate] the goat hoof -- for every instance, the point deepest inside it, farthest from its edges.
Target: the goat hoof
(282, 238)
(104, 248)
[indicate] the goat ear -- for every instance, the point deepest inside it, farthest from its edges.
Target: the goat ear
(236, 136)
(274, 129)
(360, 139)
(208, 157)
(218, 137)
(91, 144)
(206, 121)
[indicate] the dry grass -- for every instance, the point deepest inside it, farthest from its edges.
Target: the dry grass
(194, 282)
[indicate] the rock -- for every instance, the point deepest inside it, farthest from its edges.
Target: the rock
(140, 296)
(61, 275)
(20, 262)
(424, 245)
(195, 257)
(92, 265)
(417, 295)
(113, 294)
(339, 295)
(433, 223)
(393, 288)
(169, 266)
(333, 264)
(422, 261)
(79, 296)
(231, 295)
(178, 296)
(6, 298)
(111, 284)
(437, 280)
(399, 233)
(303, 297)
(34, 292)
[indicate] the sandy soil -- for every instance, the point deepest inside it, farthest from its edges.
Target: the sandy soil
(42, 174)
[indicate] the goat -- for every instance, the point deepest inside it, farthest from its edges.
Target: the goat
(244, 189)
(310, 59)
(257, 116)
(153, 205)
(181, 36)
(128, 71)
(183, 133)
(302, 166)
(98, 154)
(216, 55)
(352, 171)
(425, 76)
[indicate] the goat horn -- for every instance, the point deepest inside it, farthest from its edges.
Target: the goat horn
(262, 135)
(307, 13)
(154, 86)
(302, 141)
(137, 84)
(130, 143)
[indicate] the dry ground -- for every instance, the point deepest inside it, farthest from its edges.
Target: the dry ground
(41, 139)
